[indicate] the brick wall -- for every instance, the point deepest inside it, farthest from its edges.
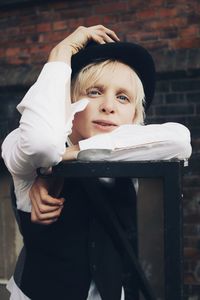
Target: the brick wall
(162, 26)
(171, 32)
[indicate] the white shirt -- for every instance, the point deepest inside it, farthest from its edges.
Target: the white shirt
(46, 122)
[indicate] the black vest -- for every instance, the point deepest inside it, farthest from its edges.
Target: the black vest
(61, 259)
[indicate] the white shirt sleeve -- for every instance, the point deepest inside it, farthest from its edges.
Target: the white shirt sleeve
(142, 142)
(39, 141)
(46, 122)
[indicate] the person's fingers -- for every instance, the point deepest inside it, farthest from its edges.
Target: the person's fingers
(42, 201)
(35, 219)
(106, 38)
(40, 216)
(42, 191)
(45, 209)
(38, 193)
(49, 200)
(101, 38)
(78, 39)
(108, 32)
(49, 216)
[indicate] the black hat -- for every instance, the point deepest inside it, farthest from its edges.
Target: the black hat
(130, 54)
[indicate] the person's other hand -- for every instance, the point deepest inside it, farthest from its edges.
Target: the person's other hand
(79, 39)
(46, 204)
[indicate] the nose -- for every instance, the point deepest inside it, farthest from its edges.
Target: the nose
(107, 105)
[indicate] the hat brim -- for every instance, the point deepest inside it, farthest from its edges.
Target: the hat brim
(131, 54)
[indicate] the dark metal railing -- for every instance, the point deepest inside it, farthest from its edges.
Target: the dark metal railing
(170, 173)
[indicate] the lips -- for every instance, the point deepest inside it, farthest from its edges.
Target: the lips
(104, 123)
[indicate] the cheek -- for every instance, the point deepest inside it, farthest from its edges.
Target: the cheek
(80, 118)
(129, 114)
(87, 113)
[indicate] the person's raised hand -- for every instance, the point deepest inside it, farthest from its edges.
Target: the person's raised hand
(46, 204)
(79, 39)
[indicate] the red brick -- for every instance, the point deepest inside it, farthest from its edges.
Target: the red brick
(193, 18)
(126, 16)
(178, 22)
(74, 23)
(168, 33)
(155, 45)
(34, 49)
(189, 31)
(76, 13)
(40, 48)
(14, 61)
(143, 36)
(148, 36)
(43, 27)
(12, 31)
(110, 7)
(41, 38)
(157, 25)
(172, 3)
(93, 20)
(58, 36)
(24, 53)
(59, 25)
(146, 14)
(27, 29)
(48, 37)
(135, 4)
(109, 19)
(40, 58)
(27, 20)
(188, 43)
(33, 38)
(133, 37)
(2, 52)
(59, 5)
(156, 3)
(167, 12)
(131, 27)
(12, 51)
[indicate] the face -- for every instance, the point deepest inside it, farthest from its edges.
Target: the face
(112, 103)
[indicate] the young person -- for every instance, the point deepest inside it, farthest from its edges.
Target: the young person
(112, 86)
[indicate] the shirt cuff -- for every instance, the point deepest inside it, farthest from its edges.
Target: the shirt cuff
(101, 141)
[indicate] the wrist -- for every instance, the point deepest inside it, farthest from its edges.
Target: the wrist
(60, 53)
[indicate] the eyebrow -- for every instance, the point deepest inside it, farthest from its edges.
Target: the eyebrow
(127, 92)
(97, 85)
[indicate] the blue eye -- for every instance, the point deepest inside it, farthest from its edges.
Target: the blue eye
(93, 92)
(123, 98)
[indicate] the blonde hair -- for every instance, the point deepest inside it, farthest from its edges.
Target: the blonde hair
(93, 72)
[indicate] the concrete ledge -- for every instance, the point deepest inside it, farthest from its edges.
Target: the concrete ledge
(4, 294)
